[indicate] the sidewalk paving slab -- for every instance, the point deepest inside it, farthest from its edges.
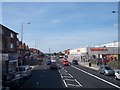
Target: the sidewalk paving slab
(86, 64)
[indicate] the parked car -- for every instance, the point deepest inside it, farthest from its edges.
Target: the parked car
(53, 65)
(12, 80)
(53, 60)
(49, 62)
(117, 74)
(106, 70)
(25, 71)
(65, 63)
(75, 62)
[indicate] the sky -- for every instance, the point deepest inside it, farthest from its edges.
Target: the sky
(62, 25)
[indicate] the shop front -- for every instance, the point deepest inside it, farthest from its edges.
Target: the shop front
(106, 54)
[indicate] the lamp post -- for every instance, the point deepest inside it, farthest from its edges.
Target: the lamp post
(22, 49)
(22, 31)
(49, 53)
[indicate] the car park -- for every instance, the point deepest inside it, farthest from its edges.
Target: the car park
(75, 62)
(106, 70)
(117, 74)
(25, 71)
(53, 65)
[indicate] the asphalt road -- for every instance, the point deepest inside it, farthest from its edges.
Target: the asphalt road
(72, 76)
(43, 77)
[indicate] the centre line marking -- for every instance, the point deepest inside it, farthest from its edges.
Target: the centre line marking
(67, 76)
(70, 79)
(65, 83)
(96, 77)
(78, 82)
(60, 74)
(73, 85)
(66, 71)
(70, 75)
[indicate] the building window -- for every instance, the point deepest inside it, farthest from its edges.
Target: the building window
(11, 35)
(11, 45)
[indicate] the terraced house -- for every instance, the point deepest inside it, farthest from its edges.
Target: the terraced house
(9, 49)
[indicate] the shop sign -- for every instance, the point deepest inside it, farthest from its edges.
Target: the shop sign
(98, 49)
(78, 50)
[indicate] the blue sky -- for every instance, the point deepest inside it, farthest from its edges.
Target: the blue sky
(62, 25)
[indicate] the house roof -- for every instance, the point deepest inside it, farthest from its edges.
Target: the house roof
(2, 26)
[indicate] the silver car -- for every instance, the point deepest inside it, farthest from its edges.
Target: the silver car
(106, 70)
(25, 71)
(117, 74)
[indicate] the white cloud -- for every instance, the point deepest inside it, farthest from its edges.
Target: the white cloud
(54, 21)
(115, 25)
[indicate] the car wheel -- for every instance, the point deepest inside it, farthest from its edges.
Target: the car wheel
(105, 74)
(116, 77)
(99, 72)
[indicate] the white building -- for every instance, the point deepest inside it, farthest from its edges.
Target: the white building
(105, 50)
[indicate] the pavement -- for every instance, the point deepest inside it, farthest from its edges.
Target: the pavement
(86, 64)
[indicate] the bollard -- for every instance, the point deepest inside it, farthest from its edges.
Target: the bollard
(89, 64)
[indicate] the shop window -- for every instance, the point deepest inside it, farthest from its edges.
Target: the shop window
(11, 45)
(93, 56)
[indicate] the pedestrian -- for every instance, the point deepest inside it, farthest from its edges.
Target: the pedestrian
(97, 63)
(89, 63)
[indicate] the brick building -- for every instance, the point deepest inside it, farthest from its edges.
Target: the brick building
(9, 49)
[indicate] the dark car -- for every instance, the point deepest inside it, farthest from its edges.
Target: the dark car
(49, 62)
(25, 71)
(53, 65)
(106, 70)
(12, 80)
(75, 62)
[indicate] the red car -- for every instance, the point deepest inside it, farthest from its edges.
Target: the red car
(65, 63)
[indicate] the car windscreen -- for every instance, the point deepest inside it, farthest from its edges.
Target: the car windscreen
(108, 68)
(21, 69)
(65, 61)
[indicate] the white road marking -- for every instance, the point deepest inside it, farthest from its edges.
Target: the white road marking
(70, 75)
(66, 71)
(67, 76)
(96, 77)
(37, 83)
(69, 79)
(78, 82)
(65, 83)
(73, 85)
(60, 74)
(59, 71)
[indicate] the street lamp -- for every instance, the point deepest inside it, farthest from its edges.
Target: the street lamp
(113, 11)
(22, 32)
(22, 49)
